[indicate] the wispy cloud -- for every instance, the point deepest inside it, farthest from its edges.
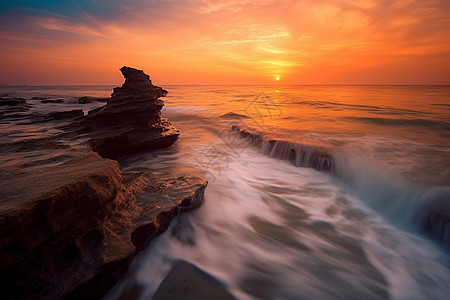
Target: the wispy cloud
(250, 39)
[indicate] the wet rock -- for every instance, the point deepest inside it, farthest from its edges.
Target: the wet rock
(40, 98)
(131, 120)
(435, 221)
(61, 219)
(13, 108)
(161, 199)
(10, 101)
(59, 115)
(186, 281)
(52, 101)
(70, 224)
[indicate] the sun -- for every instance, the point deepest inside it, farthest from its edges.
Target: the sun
(277, 77)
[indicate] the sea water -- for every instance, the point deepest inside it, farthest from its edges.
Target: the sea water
(272, 227)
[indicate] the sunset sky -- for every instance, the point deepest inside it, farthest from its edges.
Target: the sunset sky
(60, 42)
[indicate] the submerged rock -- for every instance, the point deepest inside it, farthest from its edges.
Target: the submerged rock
(131, 120)
(186, 281)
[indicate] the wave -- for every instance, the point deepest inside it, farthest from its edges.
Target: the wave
(299, 154)
(404, 204)
(423, 123)
(360, 107)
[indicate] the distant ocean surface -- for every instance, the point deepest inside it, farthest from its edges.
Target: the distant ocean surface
(272, 227)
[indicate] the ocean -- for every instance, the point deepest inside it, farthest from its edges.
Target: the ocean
(322, 196)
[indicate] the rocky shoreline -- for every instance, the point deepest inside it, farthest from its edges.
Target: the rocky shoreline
(70, 221)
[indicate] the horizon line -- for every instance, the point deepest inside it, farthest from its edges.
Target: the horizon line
(313, 84)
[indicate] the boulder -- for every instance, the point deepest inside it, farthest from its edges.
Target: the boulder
(131, 120)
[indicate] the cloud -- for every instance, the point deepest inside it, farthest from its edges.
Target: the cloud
(263, 37)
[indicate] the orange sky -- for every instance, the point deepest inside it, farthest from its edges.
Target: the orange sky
(226, 42)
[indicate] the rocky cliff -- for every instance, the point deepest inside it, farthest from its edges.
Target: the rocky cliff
(70, 221)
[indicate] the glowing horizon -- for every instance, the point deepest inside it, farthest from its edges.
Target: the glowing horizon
(225, 42)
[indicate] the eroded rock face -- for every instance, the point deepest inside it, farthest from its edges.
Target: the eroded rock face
(131, 120)
(70, 223)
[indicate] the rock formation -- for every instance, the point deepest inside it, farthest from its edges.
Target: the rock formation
(70, 221)
(131, 120)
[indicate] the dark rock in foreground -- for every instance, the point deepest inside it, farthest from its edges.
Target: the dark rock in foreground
(70, 221)
(187, 282)
(131, 120)
(70, 224)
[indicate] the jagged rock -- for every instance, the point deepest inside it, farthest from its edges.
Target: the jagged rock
(70, 224)
(59, 115)
(131, 120)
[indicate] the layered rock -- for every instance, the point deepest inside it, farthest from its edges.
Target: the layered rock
(131, 120)
(70, 222)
